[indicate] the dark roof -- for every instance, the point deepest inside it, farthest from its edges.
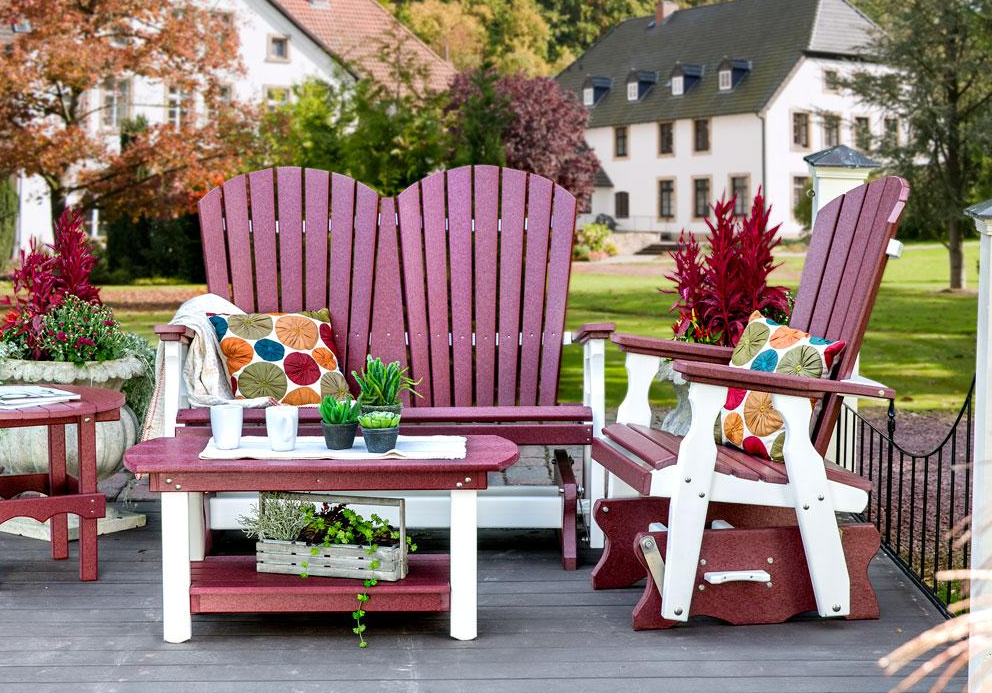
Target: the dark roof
(771, 34)
(841, 156)
(602, 180)
(983, 210)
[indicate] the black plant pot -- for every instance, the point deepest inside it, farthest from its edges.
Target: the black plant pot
(339, 436)
(391, 408)
(379, 440)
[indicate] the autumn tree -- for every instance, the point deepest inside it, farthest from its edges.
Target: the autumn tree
(451, 29)
(940, 85)
(543, 130)
(69, 76)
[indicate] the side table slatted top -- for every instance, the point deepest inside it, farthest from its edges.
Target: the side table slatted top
(100, 403)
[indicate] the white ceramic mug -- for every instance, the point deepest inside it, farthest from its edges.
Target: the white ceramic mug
(280, 424)
(225, 425)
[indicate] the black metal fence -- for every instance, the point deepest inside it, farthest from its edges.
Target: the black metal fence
(920, 501)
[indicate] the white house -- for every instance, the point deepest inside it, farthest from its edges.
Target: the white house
(690, 105)
(281, 43)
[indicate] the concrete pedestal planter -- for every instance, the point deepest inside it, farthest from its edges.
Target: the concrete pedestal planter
(678, 419)
(25, 450)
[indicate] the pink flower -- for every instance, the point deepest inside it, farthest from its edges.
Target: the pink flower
(85, 341)
(61, 336)
(108, 323)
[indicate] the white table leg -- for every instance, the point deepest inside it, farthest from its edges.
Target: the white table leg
(197, 528)
(464, 565)
(177, 623)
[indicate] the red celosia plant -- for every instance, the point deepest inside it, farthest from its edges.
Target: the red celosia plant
(717, 291)
(47, 275)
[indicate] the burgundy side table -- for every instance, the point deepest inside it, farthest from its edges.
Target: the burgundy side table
(64, 493)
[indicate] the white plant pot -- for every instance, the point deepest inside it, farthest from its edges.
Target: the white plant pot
(678, 419)
(25, 450)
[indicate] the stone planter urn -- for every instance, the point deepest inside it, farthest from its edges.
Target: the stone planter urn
(678, 419)
(25, 450)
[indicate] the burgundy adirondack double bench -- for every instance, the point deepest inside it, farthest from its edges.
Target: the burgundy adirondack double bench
(463, 277)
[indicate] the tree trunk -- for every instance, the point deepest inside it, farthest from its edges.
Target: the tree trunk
(57, 196)
(956, 253)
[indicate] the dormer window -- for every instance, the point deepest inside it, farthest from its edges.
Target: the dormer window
(685, 77)
(594, 89)
(731, 72)
(639, 82)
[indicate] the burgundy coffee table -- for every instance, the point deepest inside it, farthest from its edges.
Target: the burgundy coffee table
(64, 493)
(193, 582)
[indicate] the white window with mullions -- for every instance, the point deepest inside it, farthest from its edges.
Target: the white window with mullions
(740, 191)
(666, 198)
(116, 102)
(176, 107)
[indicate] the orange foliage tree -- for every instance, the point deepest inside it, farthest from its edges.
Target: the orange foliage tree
(61, 106)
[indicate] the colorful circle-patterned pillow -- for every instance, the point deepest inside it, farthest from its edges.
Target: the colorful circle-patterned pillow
(748, 420)
(286, 356)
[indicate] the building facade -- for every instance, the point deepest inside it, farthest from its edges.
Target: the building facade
(692, 105)
(281, 43)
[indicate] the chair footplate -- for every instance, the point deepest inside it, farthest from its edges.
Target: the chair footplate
(777, 551)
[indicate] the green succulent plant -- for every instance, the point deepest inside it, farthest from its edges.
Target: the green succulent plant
(339, 411)
(382, 384)
(379, 419)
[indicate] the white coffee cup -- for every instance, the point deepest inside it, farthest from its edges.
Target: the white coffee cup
(225, 425)
(280, 425)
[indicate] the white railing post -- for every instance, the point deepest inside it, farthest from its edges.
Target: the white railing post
(980, 649)
(834, 172)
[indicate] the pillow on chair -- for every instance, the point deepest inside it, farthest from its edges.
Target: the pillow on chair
(287, 356)
(748, 420)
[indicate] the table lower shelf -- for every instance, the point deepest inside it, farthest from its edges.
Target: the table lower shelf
(229, 584)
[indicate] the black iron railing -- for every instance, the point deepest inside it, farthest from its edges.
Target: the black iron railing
(920, 501)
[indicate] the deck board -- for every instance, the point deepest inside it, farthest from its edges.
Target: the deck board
(541, 630)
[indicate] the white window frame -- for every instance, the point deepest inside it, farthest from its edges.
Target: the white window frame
(588, 96)
(270, 54)
(726, 81)
(678, 85)
(269, 102)
(176, 106)
(120, 91)
(632, 91)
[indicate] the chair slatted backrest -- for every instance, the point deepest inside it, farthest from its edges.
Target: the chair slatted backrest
(463, 276)
(842, 273)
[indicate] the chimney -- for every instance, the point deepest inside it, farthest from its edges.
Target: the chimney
(663, 10)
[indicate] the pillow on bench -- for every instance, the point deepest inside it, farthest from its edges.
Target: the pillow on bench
(748, 420)
(287, 356)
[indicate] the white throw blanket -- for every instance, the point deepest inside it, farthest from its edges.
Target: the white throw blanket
(204, 376)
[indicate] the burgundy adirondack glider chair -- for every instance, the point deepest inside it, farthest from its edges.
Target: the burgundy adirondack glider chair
(718, 531)
(463, 277)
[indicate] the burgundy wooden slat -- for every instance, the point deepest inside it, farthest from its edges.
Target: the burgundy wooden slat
(535, 272)
(362, 275)
(316, 187)
(211, 210)
(511, 243)
(263, 231)
(519, 433)
(631, 472)
(766, 470)
(388, 340)
(559, 267)
(289, 184)
(436, 257)
(239, 243)
(460, 252)
(640, 445)
(671, 442)
(486, 255)
(342, 241)
(414, 288)
(816, 258)
(834, 274)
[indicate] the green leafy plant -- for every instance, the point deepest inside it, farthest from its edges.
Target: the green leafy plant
(277, 517)
(379, 419)
(382, 384)
(592, 241)
(79, 331)
(335, 411)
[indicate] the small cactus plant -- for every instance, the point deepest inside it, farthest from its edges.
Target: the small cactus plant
(379, 419)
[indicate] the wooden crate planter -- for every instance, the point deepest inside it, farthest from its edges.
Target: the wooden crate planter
(337, 560)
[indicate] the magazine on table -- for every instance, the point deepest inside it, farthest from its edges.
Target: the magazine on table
(20, 396)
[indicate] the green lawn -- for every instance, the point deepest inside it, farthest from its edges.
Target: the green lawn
(921, 339)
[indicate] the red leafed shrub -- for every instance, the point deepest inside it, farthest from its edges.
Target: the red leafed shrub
(47, 275)
(719, 289)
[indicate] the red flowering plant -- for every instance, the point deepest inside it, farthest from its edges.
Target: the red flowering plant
(47, 277)
(718, 290)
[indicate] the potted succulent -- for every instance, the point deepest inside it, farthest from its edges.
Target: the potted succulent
(339, 422)
(380, 430)
(382, 384)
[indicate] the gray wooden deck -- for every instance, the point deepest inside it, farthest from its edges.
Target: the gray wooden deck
(540, 630)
